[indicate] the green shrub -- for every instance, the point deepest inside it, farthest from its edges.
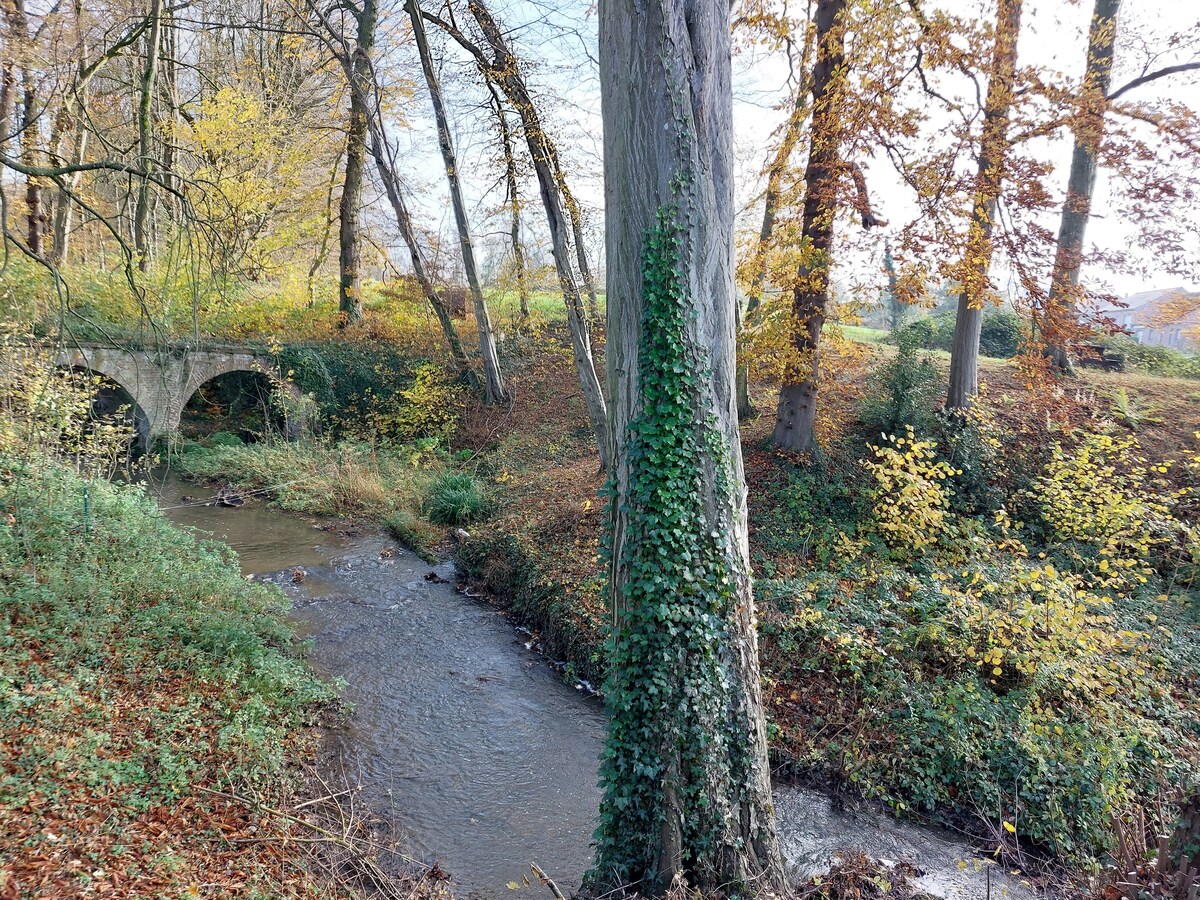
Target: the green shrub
(374, 389)
(902, 393)
(456, 498)
(1154, 360)
(1000, 334)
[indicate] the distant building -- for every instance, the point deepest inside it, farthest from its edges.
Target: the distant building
(1152, 317)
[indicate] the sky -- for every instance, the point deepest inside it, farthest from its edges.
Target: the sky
(558, 41)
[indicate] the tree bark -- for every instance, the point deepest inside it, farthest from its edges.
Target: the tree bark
(34, 219)
(977, 258)
(494, 391)
(141, 218)
(1061, 303)
(350, 207)
(686, 781)
(795, 417)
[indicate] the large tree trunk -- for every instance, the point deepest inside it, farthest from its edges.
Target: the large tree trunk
(972, 274)
(494, 391)
(795, 418)
(506, 74)
(685, 772)
(141, 218)
(350, 209)
(1062, 301)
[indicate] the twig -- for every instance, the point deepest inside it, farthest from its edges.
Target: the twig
(547, 881)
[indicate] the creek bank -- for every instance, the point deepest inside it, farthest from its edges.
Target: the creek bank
(471, 742)
(147, 694)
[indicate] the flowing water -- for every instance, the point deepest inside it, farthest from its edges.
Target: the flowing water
(467, 740)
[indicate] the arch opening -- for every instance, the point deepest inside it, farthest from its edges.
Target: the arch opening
(238, 404)
(112, 403)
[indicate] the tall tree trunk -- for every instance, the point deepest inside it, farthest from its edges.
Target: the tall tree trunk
(796, 414)
(771, 200)
(391, 186)
(972, 273)
(686, 781)
(34, 218)
(505, 72)
(350, 209)
(141, 219)
(514, 200)
(1081, 183)
(494, 391)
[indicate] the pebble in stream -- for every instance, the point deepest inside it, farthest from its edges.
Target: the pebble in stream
(473, 745)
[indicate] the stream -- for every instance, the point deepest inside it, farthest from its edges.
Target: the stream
(470, 743)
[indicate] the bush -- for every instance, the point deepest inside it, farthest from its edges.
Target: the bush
(456, 498)
(1154, 360)
(911, 499)
(902, 392)
(375, 390)
(1000, 334)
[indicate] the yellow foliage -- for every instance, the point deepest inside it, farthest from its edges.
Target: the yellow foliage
(911, 498)
(45, 411)
(264, 177)
(1101, 495)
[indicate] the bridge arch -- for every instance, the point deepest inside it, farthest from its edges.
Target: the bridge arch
(289, 399)
(109, 395)
(161, 382)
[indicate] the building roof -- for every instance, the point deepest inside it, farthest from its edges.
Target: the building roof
(1158, 308)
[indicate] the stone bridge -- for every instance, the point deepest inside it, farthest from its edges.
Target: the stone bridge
(161, 381)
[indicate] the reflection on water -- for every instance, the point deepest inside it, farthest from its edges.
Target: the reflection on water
(476, 749)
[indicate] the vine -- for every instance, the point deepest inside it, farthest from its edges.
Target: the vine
(667, 689)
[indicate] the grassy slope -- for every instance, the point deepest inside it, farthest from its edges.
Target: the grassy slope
(137, 670)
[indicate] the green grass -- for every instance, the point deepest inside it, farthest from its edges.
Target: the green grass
(456, 498)
(864, 335)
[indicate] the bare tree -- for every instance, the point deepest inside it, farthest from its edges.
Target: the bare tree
(503, 69)
(494, 391)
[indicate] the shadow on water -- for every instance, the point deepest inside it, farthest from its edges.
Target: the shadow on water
(471, 744)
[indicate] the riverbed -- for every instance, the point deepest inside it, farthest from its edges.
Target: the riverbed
(470, 744)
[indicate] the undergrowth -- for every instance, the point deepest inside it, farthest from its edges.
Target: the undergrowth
(138, 670)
